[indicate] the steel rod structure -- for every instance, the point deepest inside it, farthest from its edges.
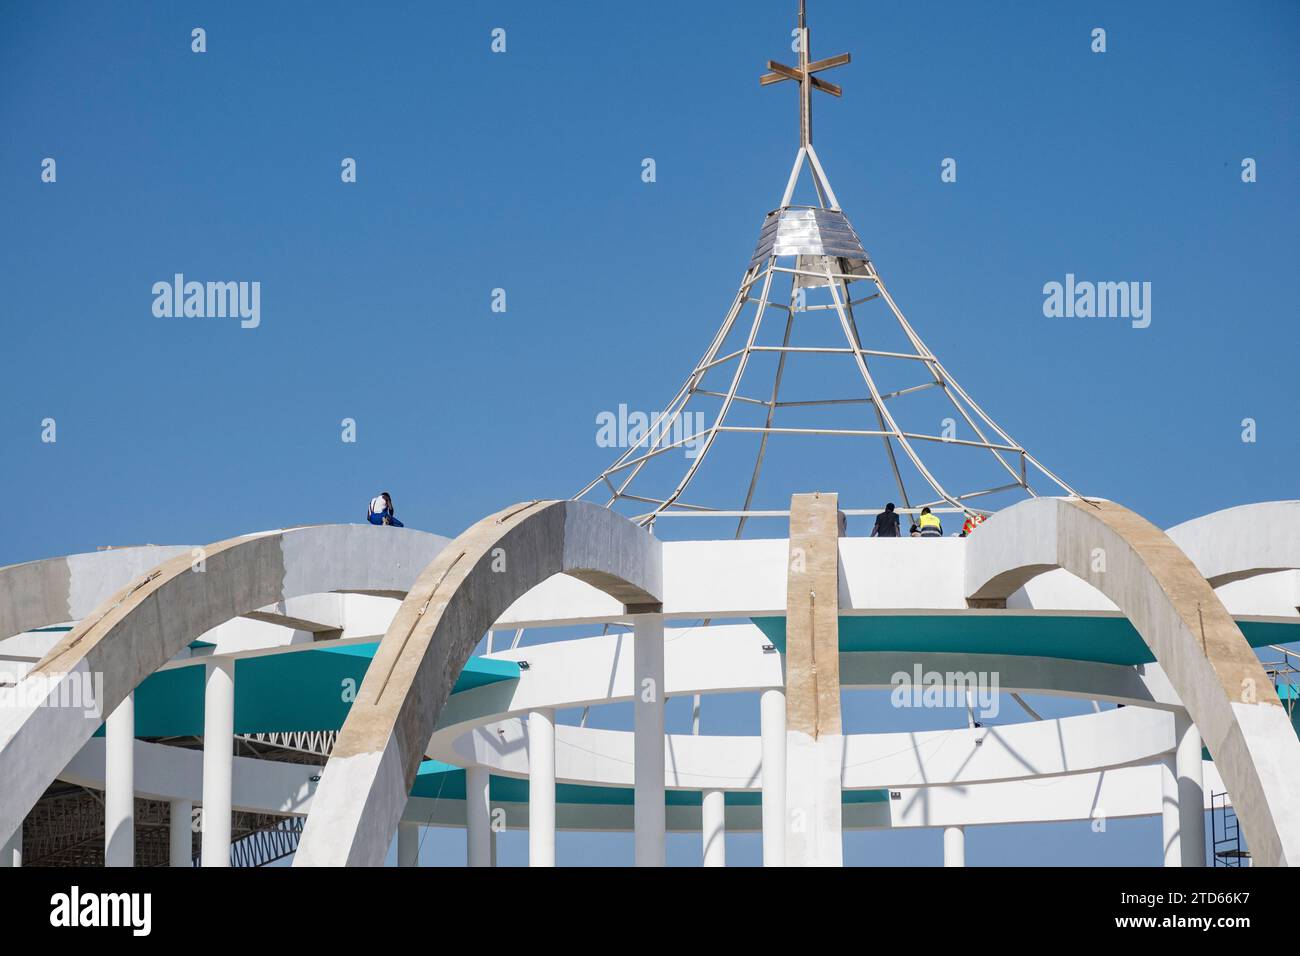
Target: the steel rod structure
(817, 248)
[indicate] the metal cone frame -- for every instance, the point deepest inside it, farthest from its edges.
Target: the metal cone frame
(808, 248)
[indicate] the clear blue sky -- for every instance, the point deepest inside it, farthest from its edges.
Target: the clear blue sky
(523, 171)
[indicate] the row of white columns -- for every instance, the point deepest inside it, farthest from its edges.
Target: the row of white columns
(119, 814)
(218, 774)
(1182, 785)
(1182, 804)
(218, 770)
(648, 811)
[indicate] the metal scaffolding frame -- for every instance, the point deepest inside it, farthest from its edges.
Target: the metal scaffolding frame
(814, 247)
(66, 828)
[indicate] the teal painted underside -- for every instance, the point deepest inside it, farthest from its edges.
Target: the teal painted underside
(442, 781)
(294, 690)
(304, 690)
(1107, 640)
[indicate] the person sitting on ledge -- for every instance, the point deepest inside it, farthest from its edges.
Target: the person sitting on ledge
(886, 523)
(381, 511)
(929, 523)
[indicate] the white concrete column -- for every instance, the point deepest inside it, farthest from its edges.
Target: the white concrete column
(772, 731)
(181, 832)
(954, 846)
(119, 785)
(713, 826)
(648, 815)
(478, 817)
(541, 787)
(1171, 841)
(218, 760)
(11, 853)
(1191, 791)
(408, 844)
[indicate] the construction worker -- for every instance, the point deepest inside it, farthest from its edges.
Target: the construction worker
(929, 524)
(381, 511)
(886, 525)
(972, 522)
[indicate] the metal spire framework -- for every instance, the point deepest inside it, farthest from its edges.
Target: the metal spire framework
(815, 251)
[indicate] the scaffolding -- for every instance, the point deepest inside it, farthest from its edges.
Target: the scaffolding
(1227, 849)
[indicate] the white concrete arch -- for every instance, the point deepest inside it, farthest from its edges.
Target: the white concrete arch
(139, 628)
(55, 590)
(1242, 542)
(455, 601)
(1171, 604)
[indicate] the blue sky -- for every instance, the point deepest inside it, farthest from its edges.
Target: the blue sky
(522, 171)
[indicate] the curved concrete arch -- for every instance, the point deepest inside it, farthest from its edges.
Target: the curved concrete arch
(1170, 603)
(54, 590)
(454, 602)
(1242, 542)
(142, 626)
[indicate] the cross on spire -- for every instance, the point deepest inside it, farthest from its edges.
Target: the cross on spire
(804, 76)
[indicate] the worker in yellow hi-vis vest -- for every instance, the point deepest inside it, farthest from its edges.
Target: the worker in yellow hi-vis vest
(929, 524)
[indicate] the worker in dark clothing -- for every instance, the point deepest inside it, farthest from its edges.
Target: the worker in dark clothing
(886, 523)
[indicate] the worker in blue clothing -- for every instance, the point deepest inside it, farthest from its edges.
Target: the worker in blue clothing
(381, 511)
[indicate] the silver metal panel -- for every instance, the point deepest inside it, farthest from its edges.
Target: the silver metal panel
(808, 231)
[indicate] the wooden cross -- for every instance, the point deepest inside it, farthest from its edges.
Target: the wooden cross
(804, 76)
